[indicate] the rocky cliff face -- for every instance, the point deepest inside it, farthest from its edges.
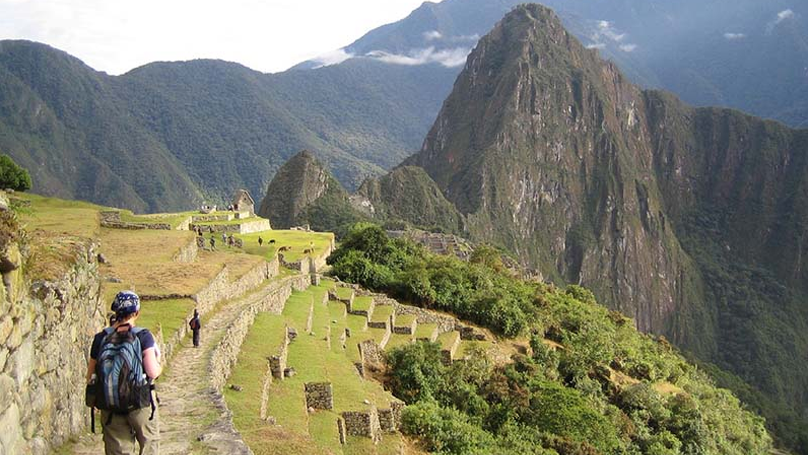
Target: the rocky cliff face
(296, 186)
(44, 339)
(691, 221)
(542, 146)
(408, 193)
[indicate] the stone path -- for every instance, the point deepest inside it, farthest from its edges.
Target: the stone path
(194, 418)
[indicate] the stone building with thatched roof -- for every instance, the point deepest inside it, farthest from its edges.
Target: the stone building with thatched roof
(243, 202)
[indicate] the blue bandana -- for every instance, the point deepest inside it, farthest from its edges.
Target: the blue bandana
(126, 302)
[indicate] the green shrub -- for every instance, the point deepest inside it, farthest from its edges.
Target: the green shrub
(13, 176)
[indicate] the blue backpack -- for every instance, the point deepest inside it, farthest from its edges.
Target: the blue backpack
(121, 384)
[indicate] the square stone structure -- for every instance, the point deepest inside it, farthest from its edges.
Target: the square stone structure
(319, 395)
(243, 202)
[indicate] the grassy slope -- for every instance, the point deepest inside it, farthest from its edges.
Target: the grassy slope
(313, 361)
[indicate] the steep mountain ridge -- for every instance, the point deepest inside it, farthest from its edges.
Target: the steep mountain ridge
(690, 220)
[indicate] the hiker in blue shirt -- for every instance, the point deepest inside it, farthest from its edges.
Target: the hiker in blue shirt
(126, 417)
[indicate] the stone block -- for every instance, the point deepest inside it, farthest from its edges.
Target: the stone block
(6, 325)
(21, 363)
(319, 395)
(8, 391)
(341, 430)
(363, 423)
(11, 439)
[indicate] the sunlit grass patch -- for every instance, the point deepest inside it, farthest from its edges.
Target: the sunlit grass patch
(298, 241)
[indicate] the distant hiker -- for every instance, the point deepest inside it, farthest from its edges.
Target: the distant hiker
(260, 241)
(198, 231)
(210, 228)
(212, 243)
(124, 362)
(230, 240)
(195, 325)
(224, 238)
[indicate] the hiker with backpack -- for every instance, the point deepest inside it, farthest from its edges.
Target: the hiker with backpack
(124, 362)
(195, 325)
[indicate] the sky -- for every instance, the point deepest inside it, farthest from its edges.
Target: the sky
(116, 36)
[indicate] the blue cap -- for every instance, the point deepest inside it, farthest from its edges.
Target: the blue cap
(125, 303)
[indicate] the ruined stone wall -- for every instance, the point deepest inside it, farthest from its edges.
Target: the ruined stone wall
(187, 254)
(364, 424)
(390, 418)
(444, 322)
(185, 225)
(211, 218)
(221, 288)
(254, 226)
(136, 226)
(319, 395)
(45, 335)
(277, 362)
(226, 352)
(303, 265)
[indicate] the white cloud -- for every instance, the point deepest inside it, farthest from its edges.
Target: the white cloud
(606, 29)
(118, 35)
(605, 33)
(449, 58)
(332, 58)
(433, 35)
(734, 36)
(783, 15)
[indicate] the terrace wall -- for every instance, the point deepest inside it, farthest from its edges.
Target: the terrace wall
(226, 352)
(45, 335)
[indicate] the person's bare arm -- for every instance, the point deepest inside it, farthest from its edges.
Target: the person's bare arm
(151, 363)
(90, 369)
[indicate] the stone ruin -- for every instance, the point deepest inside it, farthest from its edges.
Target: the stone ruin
(243, 202)
(319, 395)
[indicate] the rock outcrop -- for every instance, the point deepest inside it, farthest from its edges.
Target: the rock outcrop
(304, 192)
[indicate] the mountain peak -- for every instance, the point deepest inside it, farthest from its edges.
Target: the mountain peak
(297, 184)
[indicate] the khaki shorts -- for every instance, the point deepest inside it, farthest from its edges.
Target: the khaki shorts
(125, 430)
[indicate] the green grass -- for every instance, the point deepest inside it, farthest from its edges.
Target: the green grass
(297, 240)
(448, 339)
(425, 330)
(343, 292)
(313, 362)
(252, 365)
(173, 219)
(170, 314)
(404, 320)
(397, 340)
(362, 303)
(382, 313)
(323, 429)
(58, 216)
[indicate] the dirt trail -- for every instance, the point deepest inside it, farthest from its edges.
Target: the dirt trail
(193, 416)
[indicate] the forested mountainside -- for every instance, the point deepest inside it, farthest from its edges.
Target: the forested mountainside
(170, 135)
(689, 220)
(216, 126)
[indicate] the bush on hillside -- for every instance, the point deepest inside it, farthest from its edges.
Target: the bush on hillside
(12, 176)
(607, 389)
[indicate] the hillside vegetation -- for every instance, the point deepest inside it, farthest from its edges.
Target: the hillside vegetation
(590, 383)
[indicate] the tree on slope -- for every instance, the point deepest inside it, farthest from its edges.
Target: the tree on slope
(12, 176)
